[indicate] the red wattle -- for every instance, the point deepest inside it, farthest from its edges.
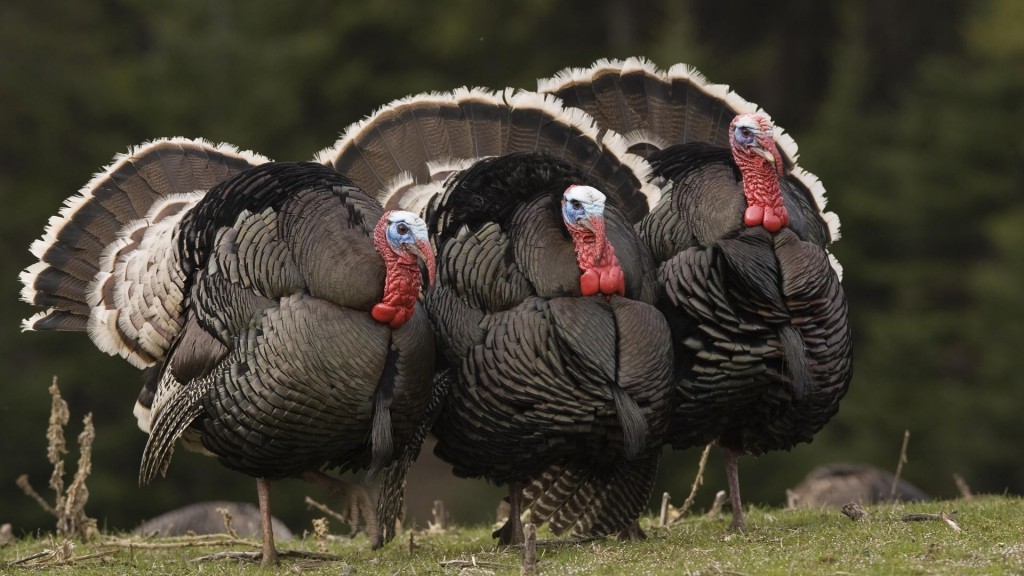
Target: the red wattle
(754, 215)
(590, 282)
(613, 281)
(772, 222)
(383, 313)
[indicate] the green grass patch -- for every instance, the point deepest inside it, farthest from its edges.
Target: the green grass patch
(990, 541)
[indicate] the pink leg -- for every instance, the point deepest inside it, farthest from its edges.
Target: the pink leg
(733, 475)
(269, 551)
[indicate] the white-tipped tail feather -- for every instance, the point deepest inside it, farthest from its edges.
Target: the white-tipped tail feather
(398, 150)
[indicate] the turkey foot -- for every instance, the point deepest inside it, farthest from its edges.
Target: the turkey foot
(512, 531)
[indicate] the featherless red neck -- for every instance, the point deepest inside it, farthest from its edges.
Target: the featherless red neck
(583, 214)
(760, 164)
(400, 238)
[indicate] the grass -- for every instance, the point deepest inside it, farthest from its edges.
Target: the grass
(775, 542)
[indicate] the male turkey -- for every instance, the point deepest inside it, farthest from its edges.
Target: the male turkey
(272, 306)
(561, 365)
(758, 315)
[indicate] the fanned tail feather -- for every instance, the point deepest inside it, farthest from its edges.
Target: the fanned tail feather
(396, 153)
(653, 109)
(107, 260)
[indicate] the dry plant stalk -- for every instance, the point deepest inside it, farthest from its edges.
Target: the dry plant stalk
(320, 534)
(225, 514)
(529, 558)
(697, 481)
(899, 466)
(69, 504)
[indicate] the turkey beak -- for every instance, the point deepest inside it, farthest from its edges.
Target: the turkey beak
(587, 224)
(425, 260)
(760, 151)
(770, 153)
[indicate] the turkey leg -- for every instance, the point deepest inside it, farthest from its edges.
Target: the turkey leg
(269, 551)
(733, 475)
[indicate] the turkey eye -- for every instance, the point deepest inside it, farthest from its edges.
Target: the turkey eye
(402, 229)
(745, 132)
(576, 205)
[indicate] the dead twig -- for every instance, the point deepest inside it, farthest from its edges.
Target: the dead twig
(961, 485)
(62, 554)
(716, 506)
(947, 518)
(182, 542)
(323, 508)
(256, 556)
(697, 481)
(899, 465)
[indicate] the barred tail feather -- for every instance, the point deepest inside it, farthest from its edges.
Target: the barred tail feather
(588, 502)
(180, 406)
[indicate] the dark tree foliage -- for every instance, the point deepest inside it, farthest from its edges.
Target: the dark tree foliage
(908, 111)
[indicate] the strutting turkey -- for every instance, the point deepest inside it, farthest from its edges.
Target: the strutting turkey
(560, 365)
(272, 306)
(740, 235)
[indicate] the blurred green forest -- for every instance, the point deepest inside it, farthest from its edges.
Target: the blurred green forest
(910, 112)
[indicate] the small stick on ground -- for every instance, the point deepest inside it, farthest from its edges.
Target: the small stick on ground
(716, 507)
(529, 567)
(663, 517)
(899, 465)
(948, 519)
(440, 514)
(182, 542)
(961, 485)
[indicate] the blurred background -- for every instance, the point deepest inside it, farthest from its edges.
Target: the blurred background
(911, 113)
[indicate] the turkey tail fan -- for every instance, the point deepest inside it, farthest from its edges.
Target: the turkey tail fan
(589, 503)
(397, 153)
(654, 109)
(103, 260)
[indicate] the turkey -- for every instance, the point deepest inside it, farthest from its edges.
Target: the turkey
(559, 364)
(273, 308)
(740, 237)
